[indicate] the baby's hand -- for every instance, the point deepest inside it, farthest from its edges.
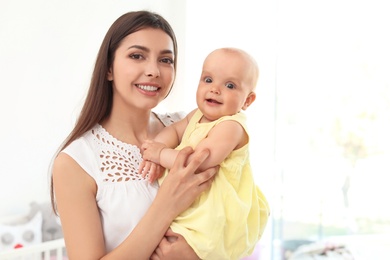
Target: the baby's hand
(151, 170)
(151, 158)
(152, 150)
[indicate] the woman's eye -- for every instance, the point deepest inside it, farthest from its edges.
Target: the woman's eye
(167, 60)
(208, 80)
(136, 56)
(230, 85)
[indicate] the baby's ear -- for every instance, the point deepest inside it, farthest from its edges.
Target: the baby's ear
(249, 100)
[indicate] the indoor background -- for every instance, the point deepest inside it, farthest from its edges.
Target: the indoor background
(319, 127)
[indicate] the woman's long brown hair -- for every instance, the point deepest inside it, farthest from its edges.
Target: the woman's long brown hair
(98, 102)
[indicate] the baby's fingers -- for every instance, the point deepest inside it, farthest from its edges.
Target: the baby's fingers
(146, 168)
(152, 172)
(156, 171)
(141, 167)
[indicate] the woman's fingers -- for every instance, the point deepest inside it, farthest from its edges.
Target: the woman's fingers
(183, 185)
(158, 252)
(188, 169)
(198, 158)
(182, 156)
(203, 179)
(170, 233)
(206, 178)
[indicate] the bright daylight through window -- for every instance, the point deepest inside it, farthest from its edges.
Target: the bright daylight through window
(324, 66)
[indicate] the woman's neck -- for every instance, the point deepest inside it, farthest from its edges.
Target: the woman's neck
(129, 127)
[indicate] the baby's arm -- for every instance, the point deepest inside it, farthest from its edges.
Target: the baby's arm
(170, 137)
(221, 141)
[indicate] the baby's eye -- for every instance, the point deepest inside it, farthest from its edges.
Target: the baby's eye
(136, 56)
(167, 60)
(208, 80)
(230, 85)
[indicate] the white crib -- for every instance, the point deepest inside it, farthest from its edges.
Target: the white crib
(49, 250)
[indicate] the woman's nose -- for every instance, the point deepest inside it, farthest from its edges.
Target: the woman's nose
(152, 70)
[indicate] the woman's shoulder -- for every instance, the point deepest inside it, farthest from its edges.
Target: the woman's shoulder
(84, 150)
(81, 144)
(170, 117)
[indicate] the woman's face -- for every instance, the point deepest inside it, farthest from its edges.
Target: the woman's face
(143, 69)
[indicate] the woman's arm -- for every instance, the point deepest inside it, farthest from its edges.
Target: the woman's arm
(75, 193)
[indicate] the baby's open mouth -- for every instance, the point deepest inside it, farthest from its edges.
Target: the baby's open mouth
(213, 101)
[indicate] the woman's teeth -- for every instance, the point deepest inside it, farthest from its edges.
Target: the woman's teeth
(147, 88)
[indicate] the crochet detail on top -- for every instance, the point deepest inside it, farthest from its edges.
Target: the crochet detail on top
(119, 161)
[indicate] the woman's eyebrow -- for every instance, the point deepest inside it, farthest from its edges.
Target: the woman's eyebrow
(166, 52)
(139, 47)
(143, 48)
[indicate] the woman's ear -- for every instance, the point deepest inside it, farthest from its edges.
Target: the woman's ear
(249, 100)
(109, 75)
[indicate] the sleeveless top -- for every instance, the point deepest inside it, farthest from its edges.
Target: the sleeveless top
(226, 221)
(122, 196)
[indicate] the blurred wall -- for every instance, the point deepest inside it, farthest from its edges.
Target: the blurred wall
(47, 53)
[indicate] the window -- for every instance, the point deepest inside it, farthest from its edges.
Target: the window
(321, 147)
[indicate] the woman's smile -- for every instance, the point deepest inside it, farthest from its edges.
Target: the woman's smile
(147, 87)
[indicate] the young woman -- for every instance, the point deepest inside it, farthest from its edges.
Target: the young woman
(107, 210)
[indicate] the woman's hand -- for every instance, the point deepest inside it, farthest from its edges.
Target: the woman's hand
(173, 246)
(178, 191)
(183, 185)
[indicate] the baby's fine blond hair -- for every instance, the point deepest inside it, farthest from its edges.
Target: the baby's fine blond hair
(249, 58)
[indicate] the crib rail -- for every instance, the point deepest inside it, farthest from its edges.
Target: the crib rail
(46, 251)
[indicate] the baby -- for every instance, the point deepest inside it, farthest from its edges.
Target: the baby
(227, 221)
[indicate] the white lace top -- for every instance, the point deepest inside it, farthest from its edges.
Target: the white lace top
(122, 196)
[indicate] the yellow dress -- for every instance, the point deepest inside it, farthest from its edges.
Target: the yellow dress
(227, 221)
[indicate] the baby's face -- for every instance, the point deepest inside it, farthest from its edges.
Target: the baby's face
(226, 84)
